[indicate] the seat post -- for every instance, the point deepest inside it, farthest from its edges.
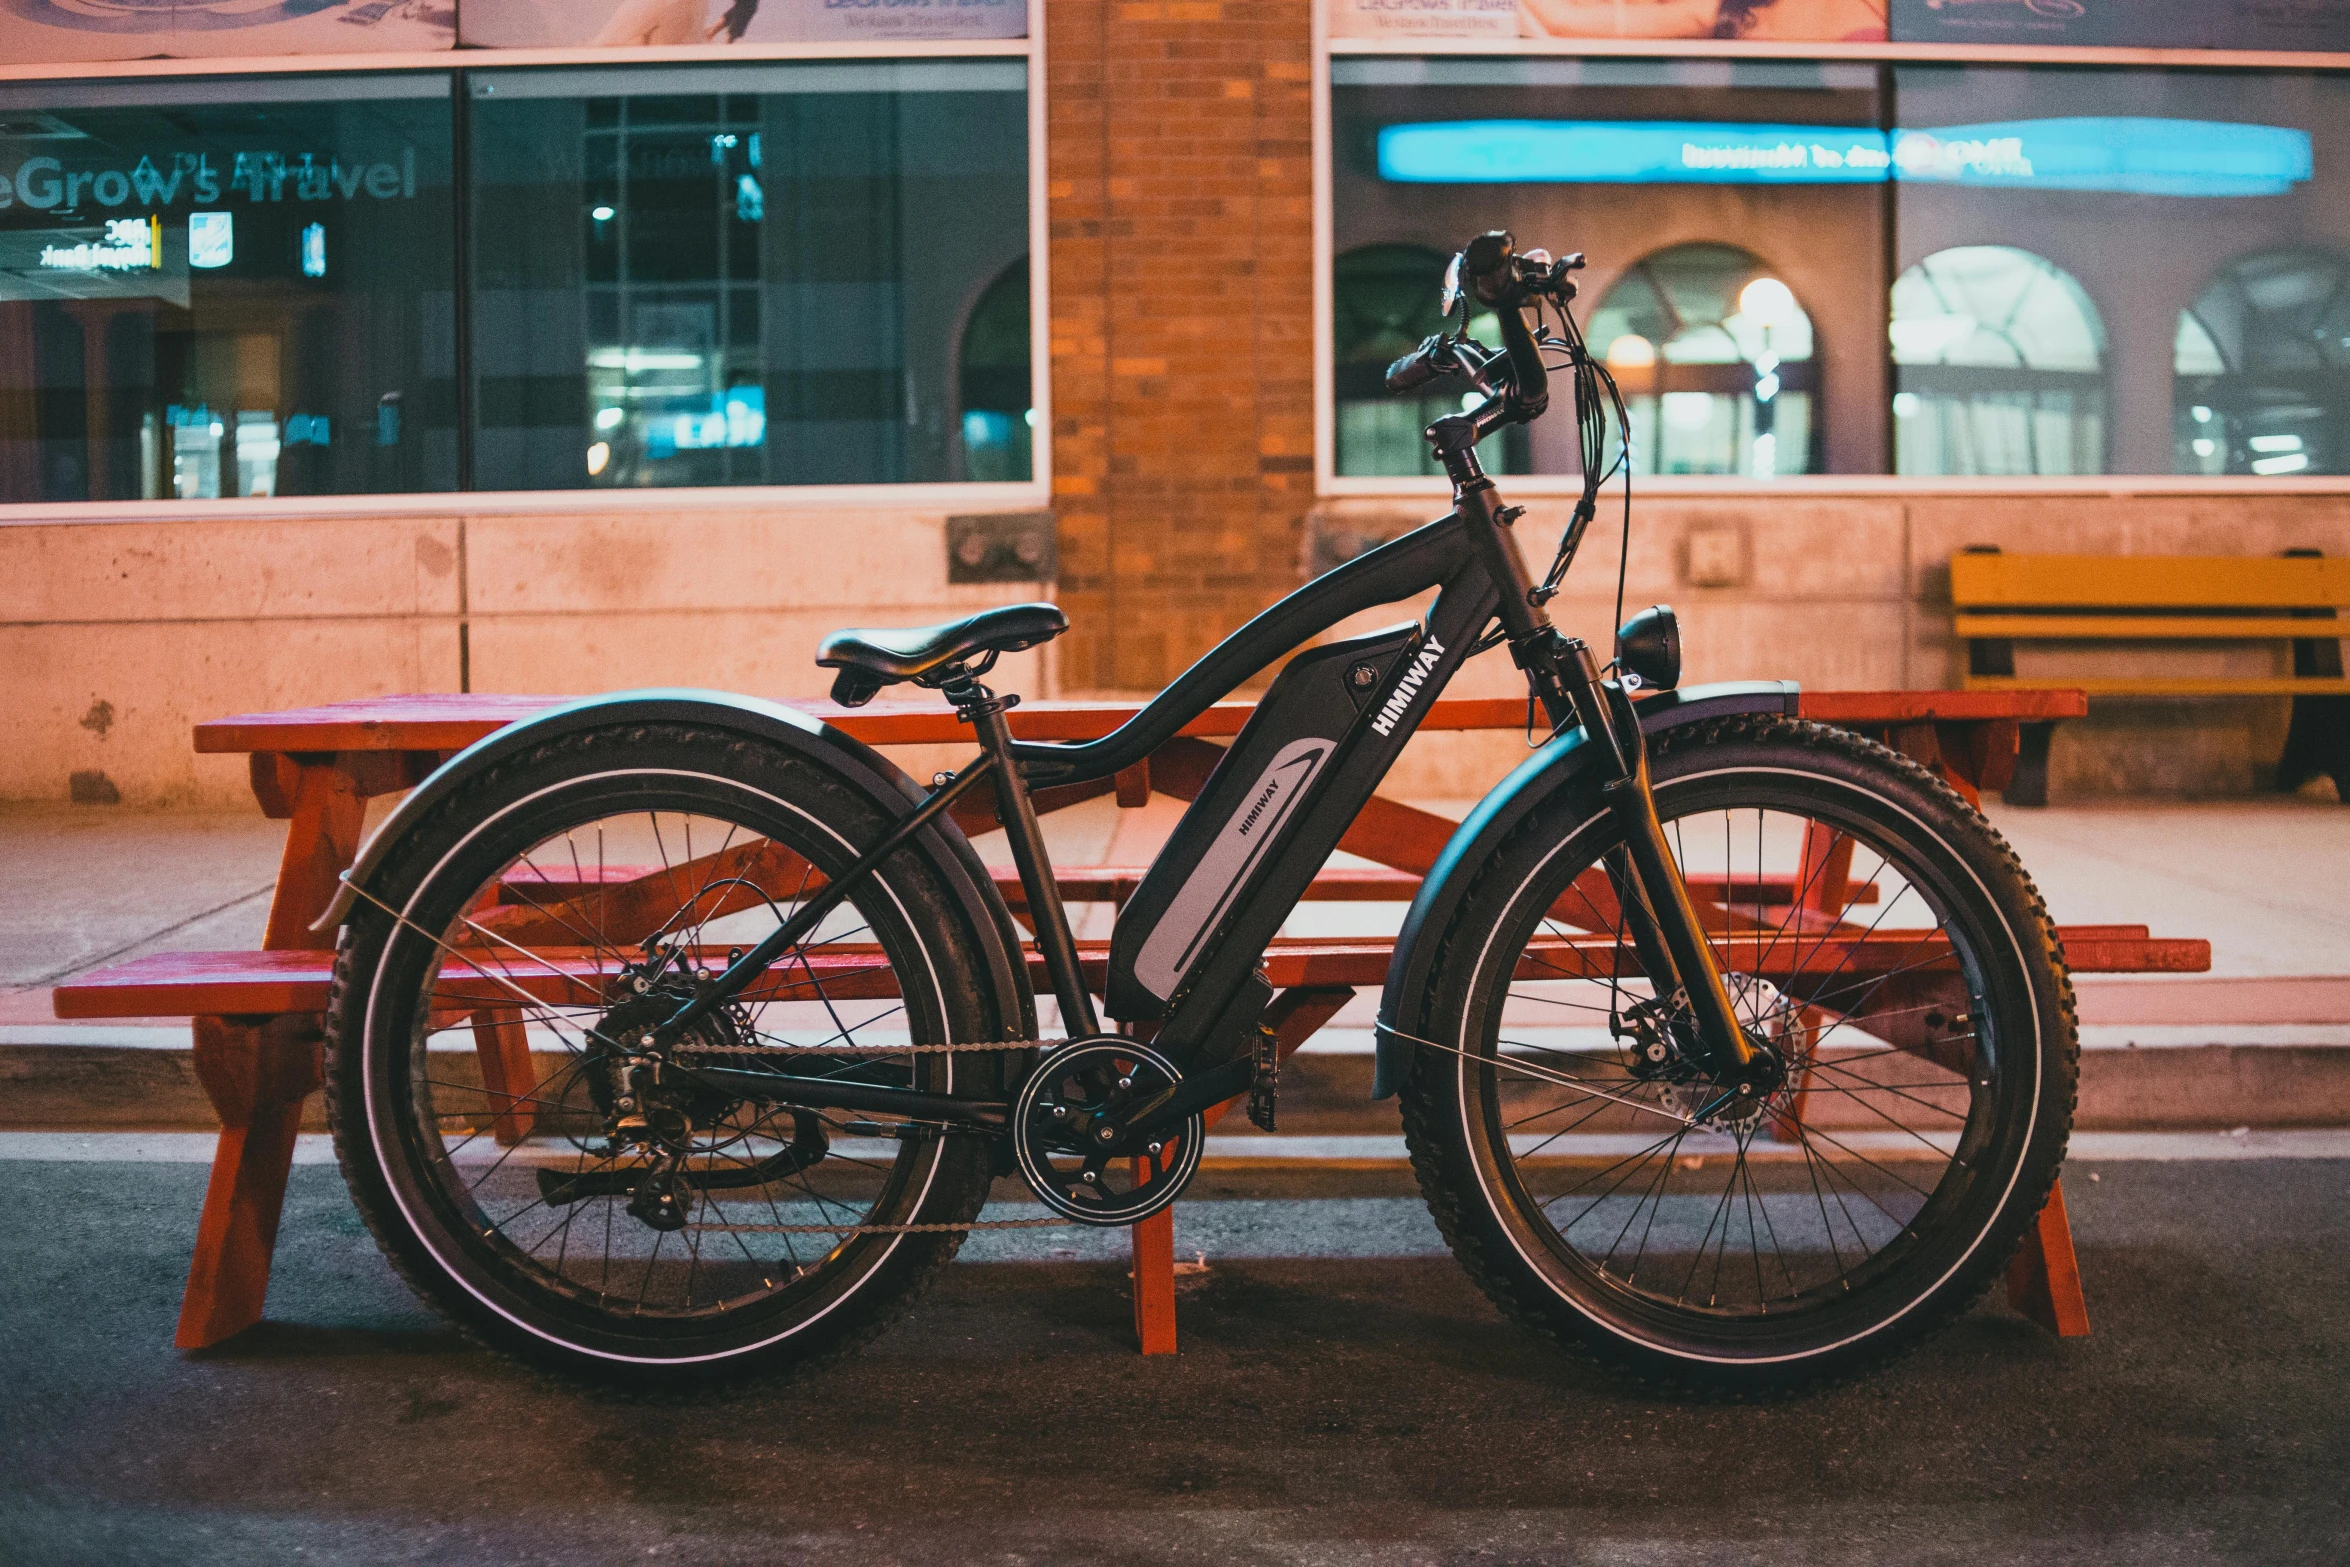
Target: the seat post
(984, 711)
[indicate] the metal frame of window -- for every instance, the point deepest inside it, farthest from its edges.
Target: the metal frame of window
(1330, 484)
(1035, 491)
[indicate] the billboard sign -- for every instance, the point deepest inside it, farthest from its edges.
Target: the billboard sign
(544, 24)
(1757, 21)
(51, 32)
(2137, 24)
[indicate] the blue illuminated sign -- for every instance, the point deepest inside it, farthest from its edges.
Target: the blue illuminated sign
(2146, 157)
(2155, 157)
(1645, 152)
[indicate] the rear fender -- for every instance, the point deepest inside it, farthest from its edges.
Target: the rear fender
(851, 761)
(1557, 767)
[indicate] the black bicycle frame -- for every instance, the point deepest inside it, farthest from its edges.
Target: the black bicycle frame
(1326, 734)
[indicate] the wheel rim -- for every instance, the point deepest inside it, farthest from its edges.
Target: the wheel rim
(1875, 1167)
(491, 1094)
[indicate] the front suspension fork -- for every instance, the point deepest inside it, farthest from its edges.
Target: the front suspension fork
(1659, 915)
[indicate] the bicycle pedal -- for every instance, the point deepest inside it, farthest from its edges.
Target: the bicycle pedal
(1264, 1088)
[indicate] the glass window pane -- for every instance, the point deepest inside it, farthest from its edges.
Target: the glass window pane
(1732, 210)
(772, 274)
(2121, 271)
(226, 288)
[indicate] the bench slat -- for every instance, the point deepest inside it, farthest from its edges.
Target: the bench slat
(2151, 581)
(2175, 685)
(248, 984)
(450, 721)
(2149, 628)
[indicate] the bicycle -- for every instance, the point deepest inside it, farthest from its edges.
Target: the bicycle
(1734, 1050)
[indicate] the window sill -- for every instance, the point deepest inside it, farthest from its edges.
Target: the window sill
(2111, 484)
(493, 59)
(1030, 496)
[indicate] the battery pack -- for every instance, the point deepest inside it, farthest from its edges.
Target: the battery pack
(1198, 892)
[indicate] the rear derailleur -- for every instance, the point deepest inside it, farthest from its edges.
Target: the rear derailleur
(655, 1112)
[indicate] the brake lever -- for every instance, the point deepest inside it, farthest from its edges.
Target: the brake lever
(1439, 356)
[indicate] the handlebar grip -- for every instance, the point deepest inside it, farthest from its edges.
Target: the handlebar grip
(1417, 368)
(1490, 263)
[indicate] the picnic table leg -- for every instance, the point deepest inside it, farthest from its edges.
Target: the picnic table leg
(1154, 1277)
(507, 1076)
(256, 1072)
(322, 840)
(1293, 1017)
(2044, 1281)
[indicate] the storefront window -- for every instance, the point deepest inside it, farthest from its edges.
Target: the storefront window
(1673, 176)
(226, 288)
(2074, 285)
(1714, 357)
(2262, 366)
(1998, 366)
(1971, 269)
(1387, 299)
(739, 274)
(998, 395)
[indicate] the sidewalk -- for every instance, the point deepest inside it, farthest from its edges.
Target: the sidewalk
(2264, 1039)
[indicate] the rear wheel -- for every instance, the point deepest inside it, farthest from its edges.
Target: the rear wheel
(529, 1173)
(1880, 937)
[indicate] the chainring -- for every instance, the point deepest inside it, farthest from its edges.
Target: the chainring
(1059, 1113)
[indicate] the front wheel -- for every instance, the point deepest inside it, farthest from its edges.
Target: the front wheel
(1878, 936)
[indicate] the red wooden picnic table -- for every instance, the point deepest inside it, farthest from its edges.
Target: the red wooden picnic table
(256, 1013)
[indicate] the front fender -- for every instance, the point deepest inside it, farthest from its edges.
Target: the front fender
(853, 762)
(1556, 767)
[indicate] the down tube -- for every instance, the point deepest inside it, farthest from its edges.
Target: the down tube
(1365, 755)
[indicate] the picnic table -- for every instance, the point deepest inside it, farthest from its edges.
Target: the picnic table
(257, 1015)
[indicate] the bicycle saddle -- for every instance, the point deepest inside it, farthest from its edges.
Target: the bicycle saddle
(869, 660)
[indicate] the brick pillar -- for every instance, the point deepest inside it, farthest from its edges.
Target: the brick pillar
(1180, 200)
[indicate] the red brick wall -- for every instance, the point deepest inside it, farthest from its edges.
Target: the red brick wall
(1180, 198)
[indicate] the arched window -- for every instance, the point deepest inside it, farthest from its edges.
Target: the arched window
(1384, 300)
(994, 383)
(2261, 368)
(1714, 357)
(1998, 366)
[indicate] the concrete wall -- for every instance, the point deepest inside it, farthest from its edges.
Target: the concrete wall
(117, 637)
(1851, 591)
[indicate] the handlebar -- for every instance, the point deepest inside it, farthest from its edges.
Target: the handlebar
(1496, 275)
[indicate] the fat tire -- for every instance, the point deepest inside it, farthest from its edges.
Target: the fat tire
(959, 1183)
(1431, 1108)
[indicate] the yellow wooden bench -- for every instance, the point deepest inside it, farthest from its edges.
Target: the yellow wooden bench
(2000, 599)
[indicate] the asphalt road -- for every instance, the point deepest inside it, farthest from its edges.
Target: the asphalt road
(1344, 1395)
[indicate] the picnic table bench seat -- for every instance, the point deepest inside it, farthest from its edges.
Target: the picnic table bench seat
(256, 1014)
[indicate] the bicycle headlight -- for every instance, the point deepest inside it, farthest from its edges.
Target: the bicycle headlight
(1649, 645)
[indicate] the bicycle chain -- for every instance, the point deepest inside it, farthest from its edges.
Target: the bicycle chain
(845, 1231)
(864, 1050)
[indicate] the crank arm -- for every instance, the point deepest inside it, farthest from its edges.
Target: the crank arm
(1165, 1111)
(825, 1093)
